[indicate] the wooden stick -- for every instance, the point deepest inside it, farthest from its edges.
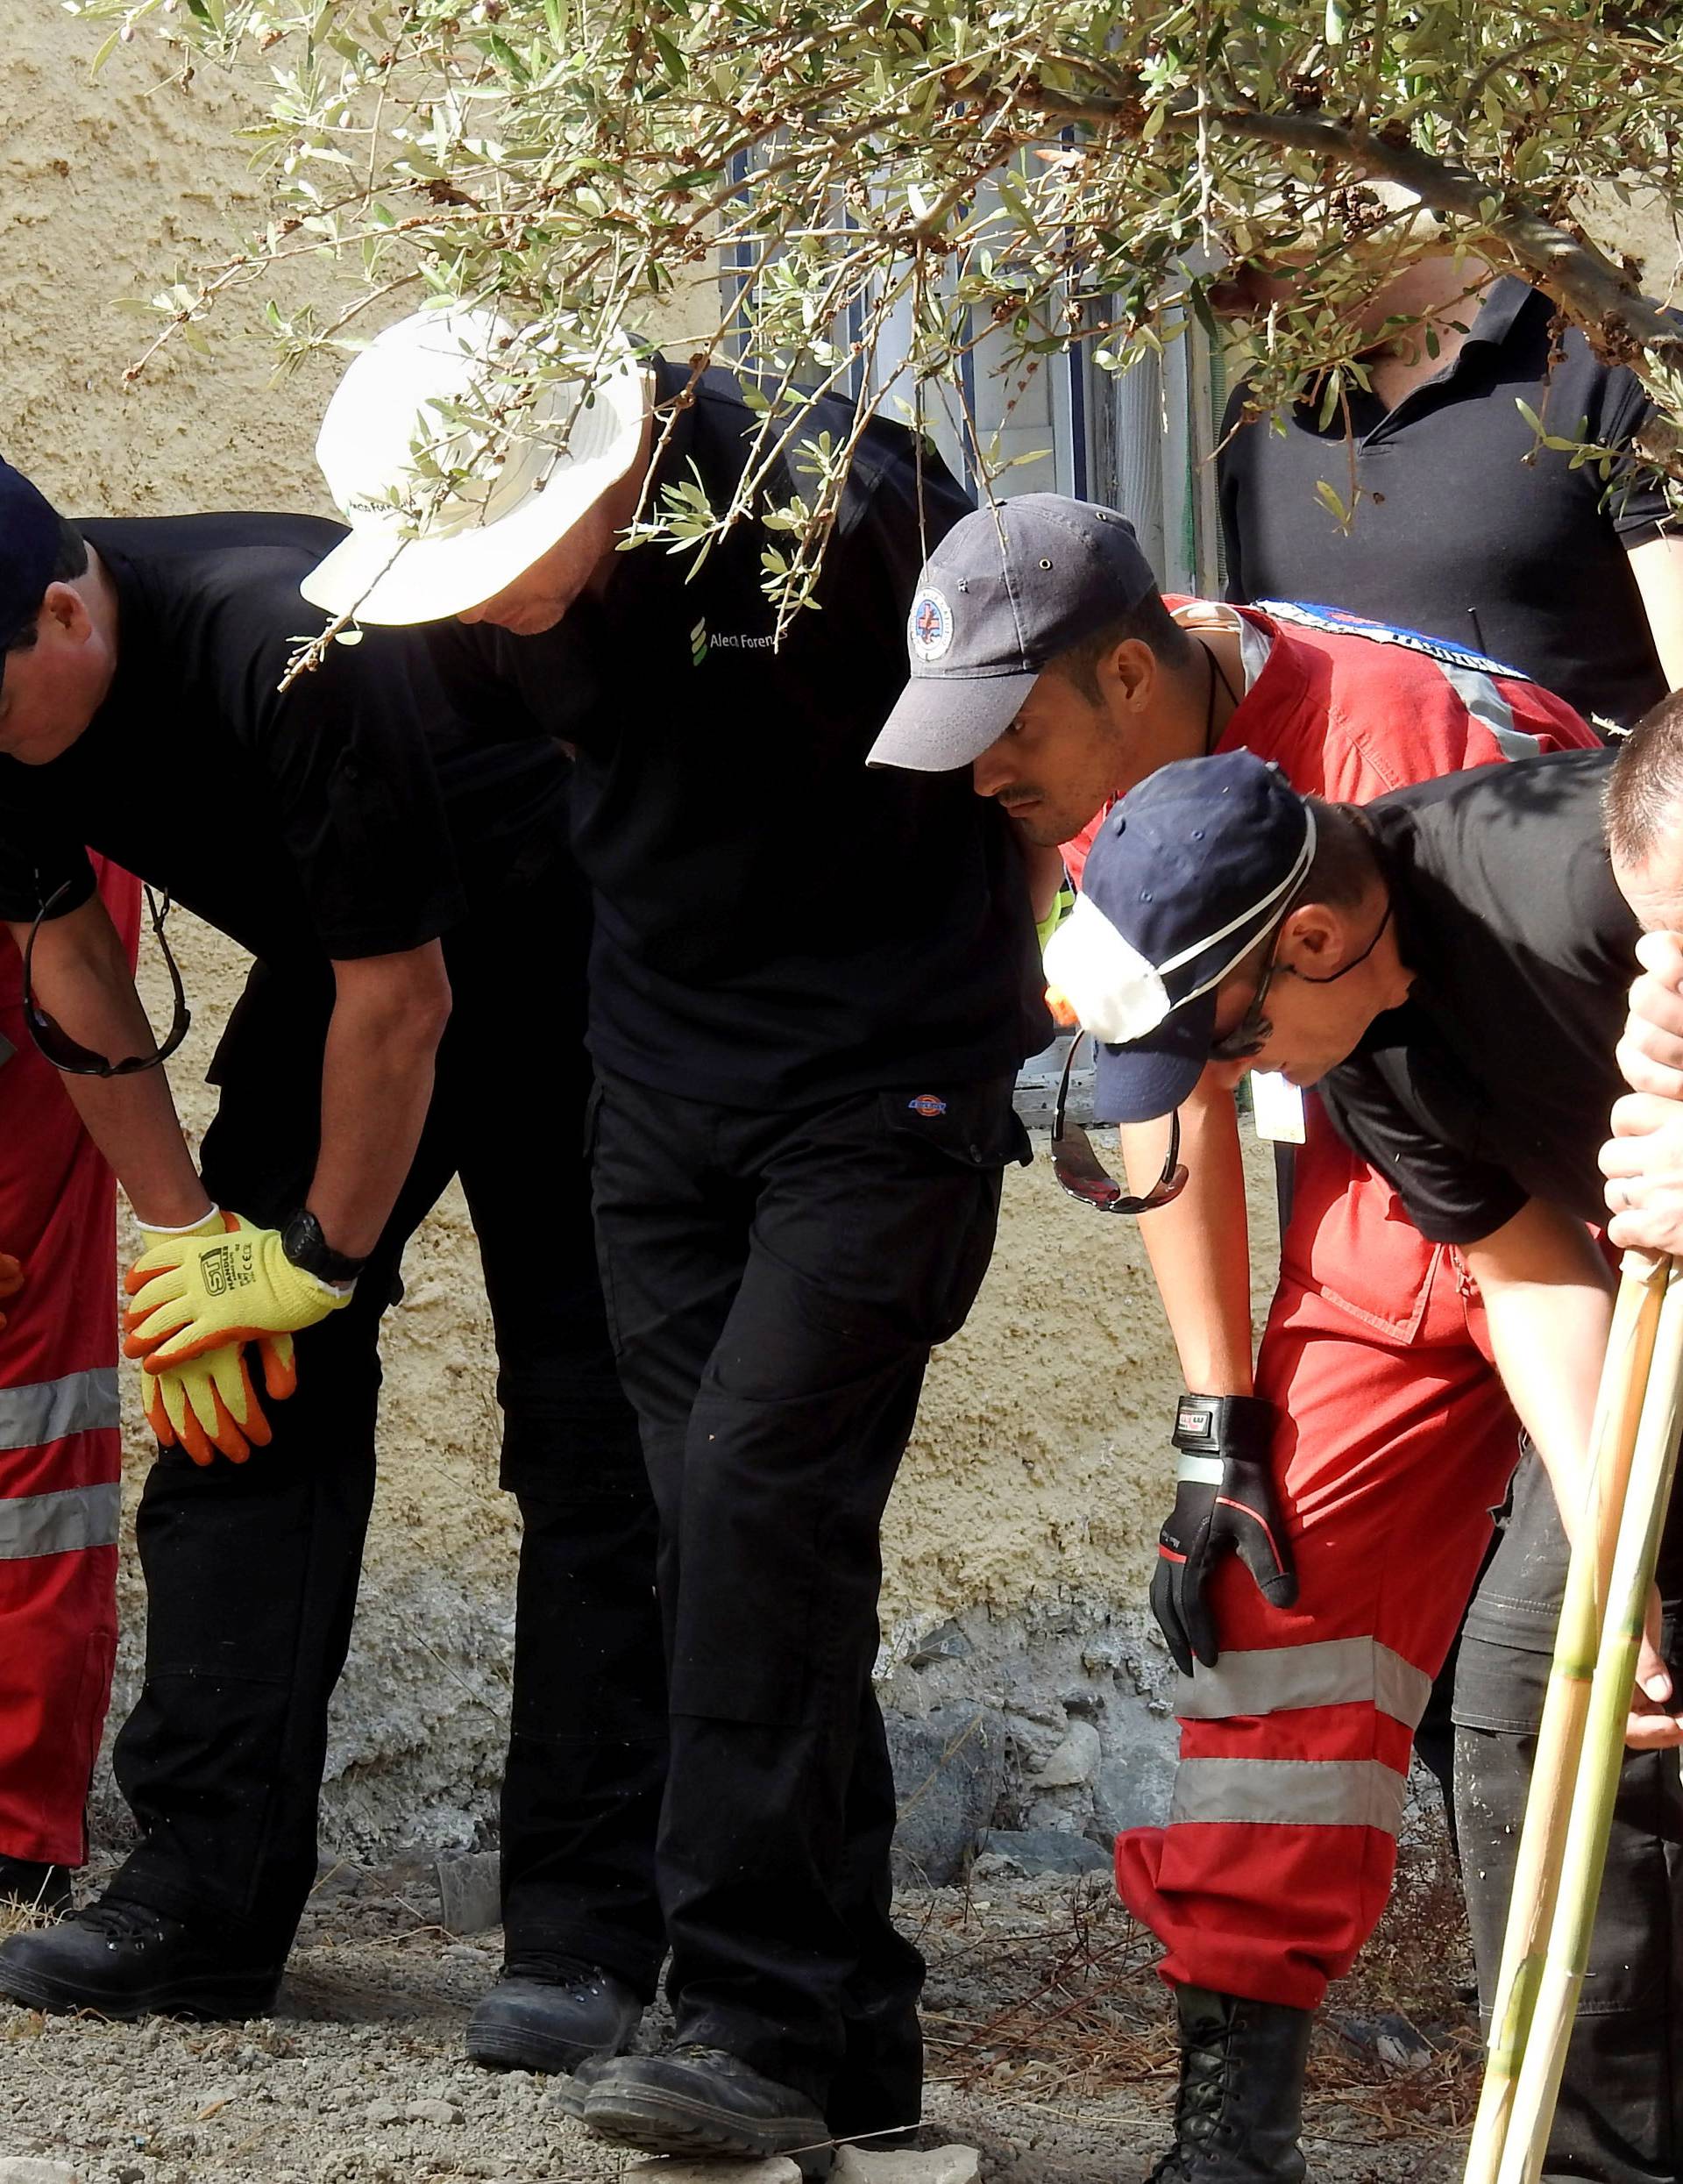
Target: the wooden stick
(1595, 1788)
(1542, 1843)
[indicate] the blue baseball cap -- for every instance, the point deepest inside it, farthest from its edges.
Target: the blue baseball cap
(29, 552)
(1187, 873)
(1007, 590)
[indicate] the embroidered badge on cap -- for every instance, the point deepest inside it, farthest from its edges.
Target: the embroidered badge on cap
(926, 1104)
(932, 625)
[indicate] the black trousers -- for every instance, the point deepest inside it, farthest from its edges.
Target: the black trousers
(775, 1283)
(252, 1570)
(1620, 2118)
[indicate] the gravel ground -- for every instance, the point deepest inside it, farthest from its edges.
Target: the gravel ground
(1050, 2051)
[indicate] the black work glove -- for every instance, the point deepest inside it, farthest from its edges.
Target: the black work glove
(1224, 1503)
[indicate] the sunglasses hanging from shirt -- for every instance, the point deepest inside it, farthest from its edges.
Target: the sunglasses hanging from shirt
(1081, 1173)
(70, 1055)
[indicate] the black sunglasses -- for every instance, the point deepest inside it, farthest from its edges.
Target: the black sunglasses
(1252, 1031)
(70, 1055)
(1081, 1173)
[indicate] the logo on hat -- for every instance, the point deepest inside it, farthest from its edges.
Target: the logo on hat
(932, 625)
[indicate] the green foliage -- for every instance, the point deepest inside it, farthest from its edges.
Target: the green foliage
(895, 181)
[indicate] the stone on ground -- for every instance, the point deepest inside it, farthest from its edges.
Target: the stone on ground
(1075, 1760)
(777, 2168)
(940, 2165)
(469, 1891)
(1033, 1851)
(949, 1767)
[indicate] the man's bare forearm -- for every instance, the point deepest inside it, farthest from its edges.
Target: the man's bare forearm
(1548, 1295)
(377, 1078)
(82, 981)
(1199, 1245)
(1043, 869)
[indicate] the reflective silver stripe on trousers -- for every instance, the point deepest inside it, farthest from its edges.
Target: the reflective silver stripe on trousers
(1279, 1679)
(78, 1404)
(1485, 702)
(60, 1524)
(1290, 1793)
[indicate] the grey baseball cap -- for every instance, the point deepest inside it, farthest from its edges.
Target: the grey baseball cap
(1006, 591)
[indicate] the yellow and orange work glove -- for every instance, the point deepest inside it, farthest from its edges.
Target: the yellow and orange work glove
(207, 1405)
(11, 1279)
(196, 1292)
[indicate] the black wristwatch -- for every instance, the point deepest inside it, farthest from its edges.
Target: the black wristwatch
(308, 1249)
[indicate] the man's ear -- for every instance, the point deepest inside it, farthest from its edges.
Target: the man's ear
(1314, 941)
(65, 608)
(1131, 672)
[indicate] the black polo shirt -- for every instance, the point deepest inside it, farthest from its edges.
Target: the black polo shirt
(350, 816)
(1494, 1084)
(1464, 530)
(775, 922)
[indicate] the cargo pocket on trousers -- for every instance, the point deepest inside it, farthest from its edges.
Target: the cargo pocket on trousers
(961, 1142)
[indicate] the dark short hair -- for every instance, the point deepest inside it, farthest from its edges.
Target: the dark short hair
(1344, 867)
(1147, 620)
(70, 562)
(1644, 800)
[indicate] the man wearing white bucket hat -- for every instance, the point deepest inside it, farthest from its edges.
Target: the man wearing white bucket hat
(811, 985)
(416, 421)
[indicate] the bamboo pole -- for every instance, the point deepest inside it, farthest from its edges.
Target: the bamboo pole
(1560, 1981)
(1542, 1845)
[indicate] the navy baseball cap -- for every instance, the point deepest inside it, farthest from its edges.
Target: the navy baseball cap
(29, 552)
(1006, 591)
(1187, 873)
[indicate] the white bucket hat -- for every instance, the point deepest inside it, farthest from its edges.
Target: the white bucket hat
(425, 545)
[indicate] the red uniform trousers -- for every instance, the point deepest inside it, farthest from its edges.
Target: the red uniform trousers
(60, 1446)
(1394, 1442)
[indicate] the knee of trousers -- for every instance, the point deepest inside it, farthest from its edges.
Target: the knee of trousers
(778, 1550)
(587, 1456)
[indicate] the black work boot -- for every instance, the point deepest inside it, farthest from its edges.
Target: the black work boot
(1241, 2106)
(26, 1885)
(696, 2100)
(127, 1961)
(551, 2013)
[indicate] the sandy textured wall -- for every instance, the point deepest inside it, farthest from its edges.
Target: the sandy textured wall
(1036, 1470)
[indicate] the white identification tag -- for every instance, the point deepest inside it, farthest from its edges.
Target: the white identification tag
(1277, 1107)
